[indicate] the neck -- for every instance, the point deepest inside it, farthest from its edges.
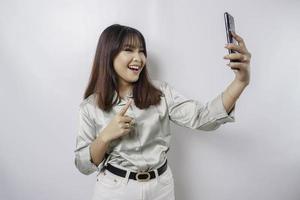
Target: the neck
(125, 88)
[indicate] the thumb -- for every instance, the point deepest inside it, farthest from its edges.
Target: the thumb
(125, 108)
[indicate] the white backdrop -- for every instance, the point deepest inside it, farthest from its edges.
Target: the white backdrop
(46, 52)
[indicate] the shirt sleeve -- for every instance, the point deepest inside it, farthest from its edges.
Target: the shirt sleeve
(195, 115)
(86, 135)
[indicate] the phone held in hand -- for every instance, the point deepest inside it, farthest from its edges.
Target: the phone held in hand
(229, 26)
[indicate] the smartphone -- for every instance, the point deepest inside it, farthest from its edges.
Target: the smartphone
(229, 26)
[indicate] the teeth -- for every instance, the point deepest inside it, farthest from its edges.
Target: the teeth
(134, 67)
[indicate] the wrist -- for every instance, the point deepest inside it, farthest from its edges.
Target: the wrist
(241, 83)
(104, 138)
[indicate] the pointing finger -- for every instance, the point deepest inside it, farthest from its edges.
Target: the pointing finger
(125, 108)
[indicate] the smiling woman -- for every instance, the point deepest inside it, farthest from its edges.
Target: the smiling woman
(124, 131)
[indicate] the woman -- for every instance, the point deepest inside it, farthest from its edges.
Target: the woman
(124, 131)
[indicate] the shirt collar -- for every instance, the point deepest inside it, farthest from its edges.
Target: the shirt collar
(126, 97)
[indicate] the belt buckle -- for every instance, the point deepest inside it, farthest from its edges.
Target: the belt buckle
(137, 176)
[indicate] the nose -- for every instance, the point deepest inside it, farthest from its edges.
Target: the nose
(137, 57)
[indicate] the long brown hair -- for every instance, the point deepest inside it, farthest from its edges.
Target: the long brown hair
(104, 80)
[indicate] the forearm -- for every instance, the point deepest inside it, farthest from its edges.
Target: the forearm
(232, 93)
(98, 149)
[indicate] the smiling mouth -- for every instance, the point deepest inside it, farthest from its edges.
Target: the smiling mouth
(134, 68)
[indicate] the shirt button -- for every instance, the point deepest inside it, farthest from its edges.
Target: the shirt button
(137, 148)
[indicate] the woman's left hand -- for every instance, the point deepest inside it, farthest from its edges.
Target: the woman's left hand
(240, 60)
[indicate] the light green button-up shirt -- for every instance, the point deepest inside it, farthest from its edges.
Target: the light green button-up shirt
(146, 146)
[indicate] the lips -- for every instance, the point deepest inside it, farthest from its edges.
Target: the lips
(134, 67)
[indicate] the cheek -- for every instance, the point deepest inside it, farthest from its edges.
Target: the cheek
(120, 63)
(119, 69)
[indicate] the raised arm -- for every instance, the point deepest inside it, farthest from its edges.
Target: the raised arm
(241, 68)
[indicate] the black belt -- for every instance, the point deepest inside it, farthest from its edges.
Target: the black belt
(140, 176)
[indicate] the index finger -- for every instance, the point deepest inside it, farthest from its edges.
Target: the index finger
(125, 108)
(238, 38)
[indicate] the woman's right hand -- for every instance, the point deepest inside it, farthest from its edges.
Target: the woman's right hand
(119, 126)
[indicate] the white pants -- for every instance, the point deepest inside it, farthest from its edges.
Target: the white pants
(113, 187)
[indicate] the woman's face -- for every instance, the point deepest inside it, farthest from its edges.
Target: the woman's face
(129, 63)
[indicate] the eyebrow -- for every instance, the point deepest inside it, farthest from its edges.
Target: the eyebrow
(132, 46)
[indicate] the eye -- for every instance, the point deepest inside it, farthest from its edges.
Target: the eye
(127, 49)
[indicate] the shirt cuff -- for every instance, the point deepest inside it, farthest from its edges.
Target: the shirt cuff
(85, 165)
(218, 112)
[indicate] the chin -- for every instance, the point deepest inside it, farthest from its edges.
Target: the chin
(134, 80)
